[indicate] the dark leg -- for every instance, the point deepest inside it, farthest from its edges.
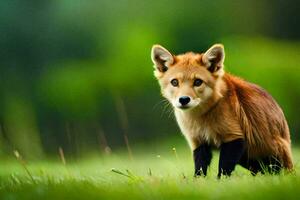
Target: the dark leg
(264, 165)
(202, 158)
(252, 165)
(231, 153)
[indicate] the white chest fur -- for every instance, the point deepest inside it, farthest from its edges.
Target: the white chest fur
(195, 130)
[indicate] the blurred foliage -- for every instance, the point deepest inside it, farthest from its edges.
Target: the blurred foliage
(65, 63)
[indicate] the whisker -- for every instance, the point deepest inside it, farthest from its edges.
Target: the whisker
(159, 103)
(167, 107)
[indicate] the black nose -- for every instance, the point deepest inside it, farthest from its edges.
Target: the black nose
(184, 100)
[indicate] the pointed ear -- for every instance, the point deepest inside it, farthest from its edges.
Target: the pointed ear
(213, 58)
(161, 58)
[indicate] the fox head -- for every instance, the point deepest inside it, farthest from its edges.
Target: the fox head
(189, 80)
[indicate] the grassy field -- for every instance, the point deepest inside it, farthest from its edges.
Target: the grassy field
(157, 171)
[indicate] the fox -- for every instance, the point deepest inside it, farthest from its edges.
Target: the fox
(215, 109)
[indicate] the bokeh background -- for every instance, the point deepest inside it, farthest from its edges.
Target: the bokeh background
(77, 75)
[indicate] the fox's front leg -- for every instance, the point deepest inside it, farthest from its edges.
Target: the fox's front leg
(231, 153)
(202, 158)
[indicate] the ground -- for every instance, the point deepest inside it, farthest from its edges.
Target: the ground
(157, 171)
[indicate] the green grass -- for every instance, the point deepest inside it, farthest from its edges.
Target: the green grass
(155, 173)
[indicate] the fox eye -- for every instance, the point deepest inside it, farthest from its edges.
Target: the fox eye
(198, 82)
(174, 82)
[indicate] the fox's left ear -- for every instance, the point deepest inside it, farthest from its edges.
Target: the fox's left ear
(213, 59)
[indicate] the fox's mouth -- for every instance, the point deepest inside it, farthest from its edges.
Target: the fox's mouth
(184, 107)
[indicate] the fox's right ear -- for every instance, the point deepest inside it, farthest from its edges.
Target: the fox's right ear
(161, 58)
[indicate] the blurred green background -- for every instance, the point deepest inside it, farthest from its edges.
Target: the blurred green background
(78, 75)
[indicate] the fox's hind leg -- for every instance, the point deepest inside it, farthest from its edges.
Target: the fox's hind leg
(202, 159)
(269, 164)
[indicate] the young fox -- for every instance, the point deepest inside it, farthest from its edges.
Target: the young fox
(216, 109)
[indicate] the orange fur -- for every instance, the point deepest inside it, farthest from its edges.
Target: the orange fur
(224, 107)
